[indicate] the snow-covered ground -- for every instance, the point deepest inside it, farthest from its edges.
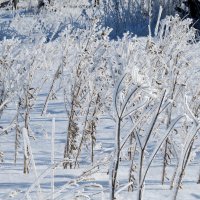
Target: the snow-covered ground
(48, 56)
(14, 184)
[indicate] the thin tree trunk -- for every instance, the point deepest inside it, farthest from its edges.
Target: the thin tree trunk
(140, 193)
(180, 177)
(165, 161)
(198, 182)
(116, 161)
(14, 2)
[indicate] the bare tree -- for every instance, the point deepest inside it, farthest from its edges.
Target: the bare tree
(14, 2)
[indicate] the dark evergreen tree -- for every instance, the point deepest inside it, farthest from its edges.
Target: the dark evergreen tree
(193, 9)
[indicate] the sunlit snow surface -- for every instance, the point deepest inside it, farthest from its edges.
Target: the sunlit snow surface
(68, 183)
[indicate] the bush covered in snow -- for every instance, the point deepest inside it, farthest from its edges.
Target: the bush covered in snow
(69, 69)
